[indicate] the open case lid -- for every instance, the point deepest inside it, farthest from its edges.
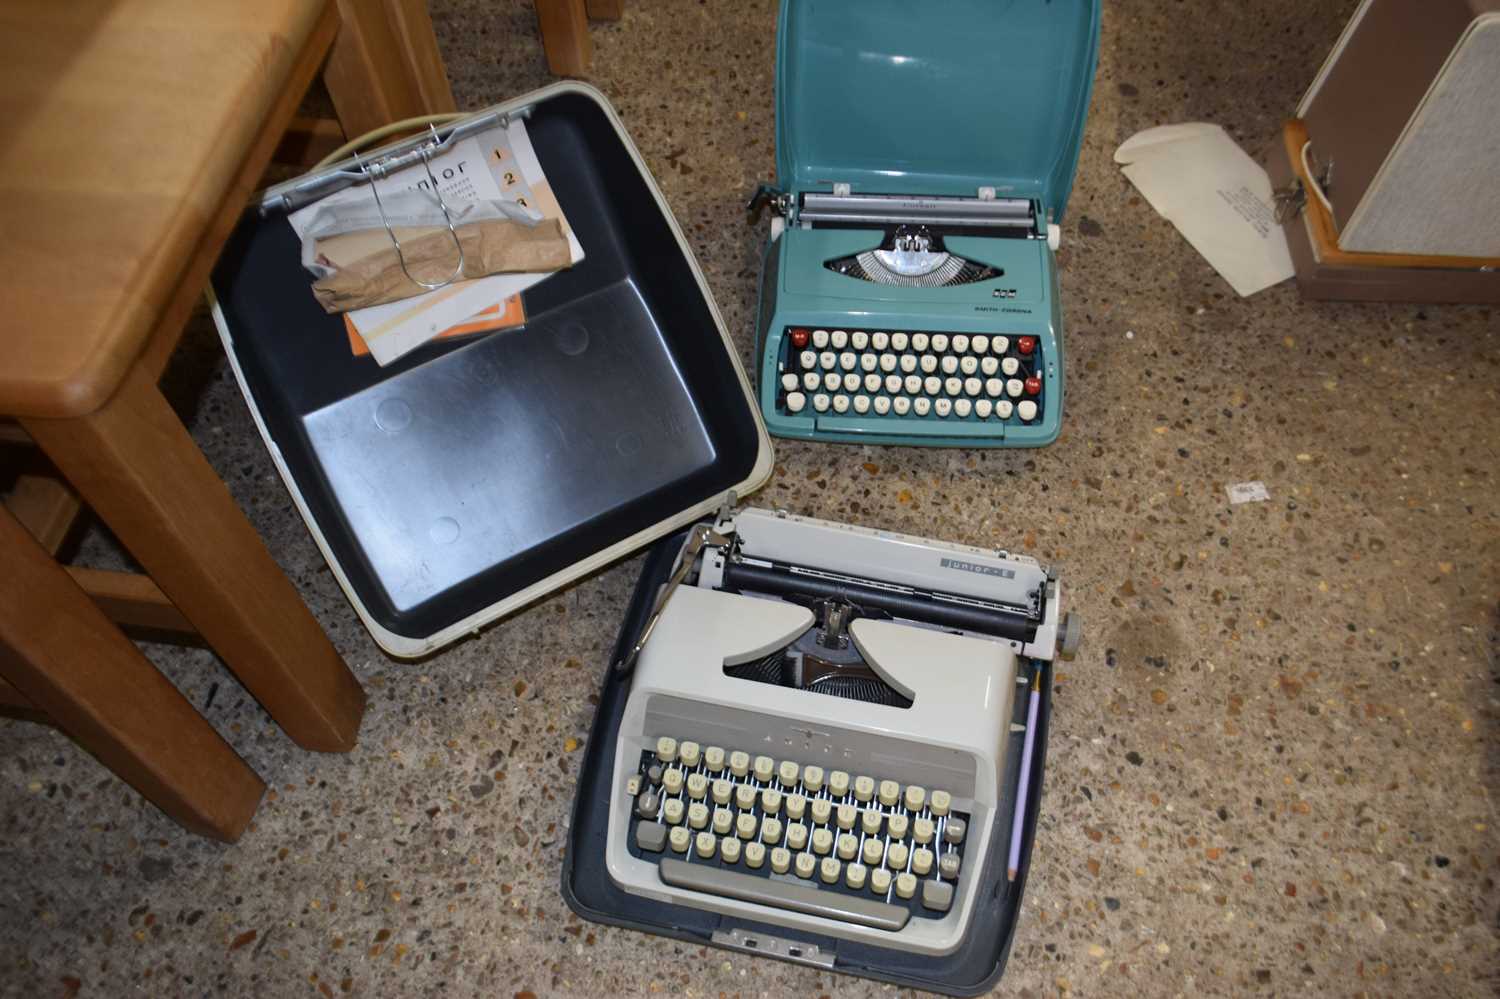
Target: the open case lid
(471, 477)
(896, 97)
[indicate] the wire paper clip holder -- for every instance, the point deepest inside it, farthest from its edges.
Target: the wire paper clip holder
(376, 171)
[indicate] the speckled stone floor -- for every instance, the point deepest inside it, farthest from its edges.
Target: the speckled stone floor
(1271, 768)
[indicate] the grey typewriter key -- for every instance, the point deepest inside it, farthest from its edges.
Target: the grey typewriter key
(922, 830)
(666, 749)
(969, 365)
(789, 382)
(841, 403)
(1004, 408)
(983, 408)
(908, 363)
(648, 803)
(838, 339)
(940, 342)
(689, 753)
(829, 870)
(805, 865)
(1026, 410)
(1010, 366)
(937, 895)
(899, 342)
(755, 854)
(921, 861)
(1014, 388)
(999, 344)
(988, 367)
(895, 856)
(729, 850)
(948, 865)
(896, 826)
(981, 344)
(919, 342)
(921, 406)
(901, 405)
(960, 344)
(962, 408)
(950, 365)
(882, 405)
(680, 838)
(928, 364)
(820, 339)
(972, 386)
(868, 362)
(811, 380)
(859, 339)
(933, 384)
(880, 341)
(651, 836)
(888, 362)
(872, 383)
(913, 385)
(808, 899)
(953, 386)
(654, 774)
(940, 803)
(906, 885)
(880, 881)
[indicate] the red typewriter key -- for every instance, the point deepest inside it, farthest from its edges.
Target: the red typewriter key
(1026, 344)
(799, 339)
(1033, 385)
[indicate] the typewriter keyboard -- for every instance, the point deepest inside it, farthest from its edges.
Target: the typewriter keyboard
(936, 376)
(777, 833)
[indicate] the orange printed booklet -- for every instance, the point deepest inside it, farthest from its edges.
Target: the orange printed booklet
(504, 315)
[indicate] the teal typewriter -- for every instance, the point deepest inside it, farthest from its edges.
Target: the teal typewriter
(924, 155)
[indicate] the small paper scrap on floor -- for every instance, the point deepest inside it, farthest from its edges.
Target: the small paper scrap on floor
(1247, 492)
(1219, 198)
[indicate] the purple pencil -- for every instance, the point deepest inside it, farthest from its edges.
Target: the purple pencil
(1020, 818)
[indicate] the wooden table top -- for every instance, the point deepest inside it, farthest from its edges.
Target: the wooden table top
(122, 124)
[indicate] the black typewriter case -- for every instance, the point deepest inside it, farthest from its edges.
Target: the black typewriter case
(970, 970)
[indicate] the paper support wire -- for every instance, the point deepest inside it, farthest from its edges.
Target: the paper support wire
(376, 171)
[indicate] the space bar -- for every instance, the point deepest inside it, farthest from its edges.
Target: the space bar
(887, 426)
(781, 895)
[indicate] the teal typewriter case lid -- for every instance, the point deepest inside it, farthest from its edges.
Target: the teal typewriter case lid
(896, 97)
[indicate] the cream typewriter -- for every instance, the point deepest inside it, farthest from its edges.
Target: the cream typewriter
(817, 728)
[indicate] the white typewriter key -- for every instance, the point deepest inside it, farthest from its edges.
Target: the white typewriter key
(820, 339)
(697, 815)
(980, 344)
(672, 780)
(922, 406)
(873, 852)
(869, 362)
(960, 344)
(764, 768)
(913, 384)
(827, 360)
(812, 779)
(796, 836)
(983, 408)
(809, 359)
(690, 753)
(697, 786)
(864, 788)
(906, 884)
(953, 830)
(820, 402)
(672, 811)
(805, 866)
(880, 880)
(948, 865)
(922, 830)
(755, 855)
(739, 763)
(893, 384)
(789, 382)
(822, 808)
(744, 825)
(680, 838)
(796, 805)
(882, 405)
(915, 798)
(848, 360)
(908, 363)
(770, 830)
(829, 870)
(666, 749)
(943, 408)
(899, 341)
(988, 367)
(919, 342)
(1004, 408)
(707, 844)
(851, 382)
(811, 380)
(832, 381)
(770, 801)
(895, 856)
(838, 339)
(729, 850)
(859, 340)
(854, 876)
(847, 816)
(921, 861)
(932, 384)
(880, 341)
(941, 801)
(633, 785)
(962, 408)
(1015, 387)
(870, 821)
(872, 383)
(841, 403)
(1026, 410)
(862, 403)
(950, 365)
(723, 821)
(713, 758)
(1010, 366)
(969, 365)
(781, 859)
(940, 342)
(888, 362)
(744, 796)
(822, 841)
(953, 386)
(929, 364)
(901, 405)
(999, 344)
(973, 386)
(896, 826)
(838, 784)
(848, 846)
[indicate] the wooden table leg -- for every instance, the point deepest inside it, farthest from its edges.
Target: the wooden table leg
(137, 468)
(67, 659)
(565, 36)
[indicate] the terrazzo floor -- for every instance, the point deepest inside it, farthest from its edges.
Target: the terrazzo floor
(1272, 766)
